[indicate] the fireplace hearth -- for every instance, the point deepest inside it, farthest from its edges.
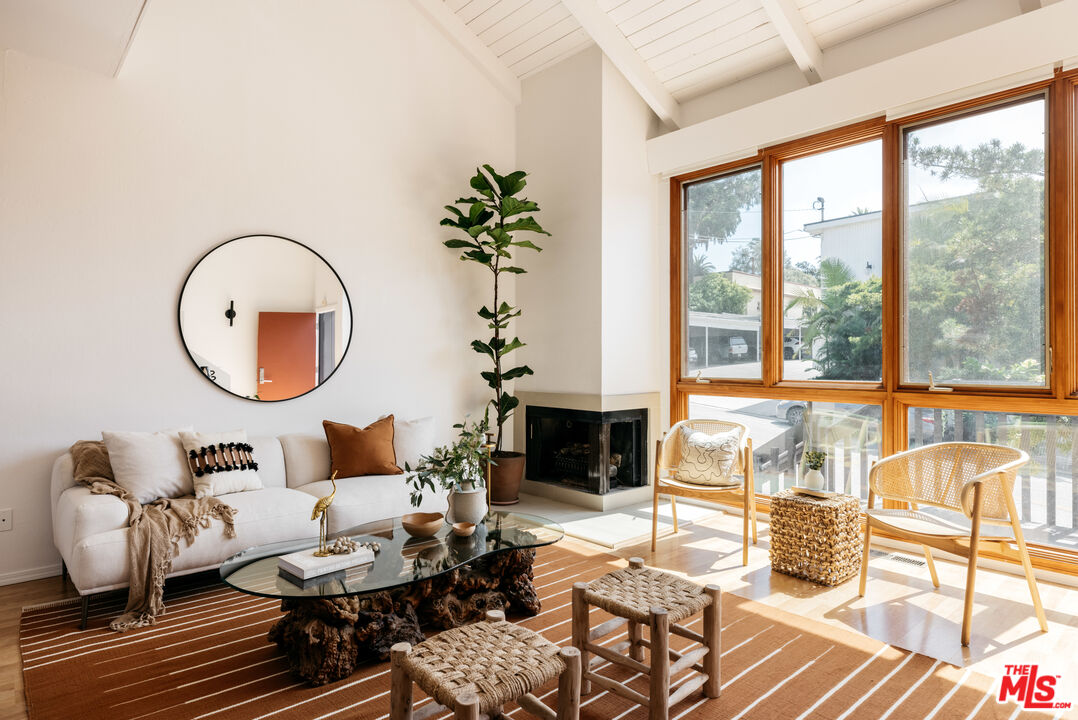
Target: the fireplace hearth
(597, 452)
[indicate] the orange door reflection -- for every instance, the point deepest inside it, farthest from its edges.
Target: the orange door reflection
(286, 354)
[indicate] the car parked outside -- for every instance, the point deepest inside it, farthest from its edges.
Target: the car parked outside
(737, 349)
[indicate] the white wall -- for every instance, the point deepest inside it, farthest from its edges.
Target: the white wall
(594, 303)
(634, 258)
(559, 126)
(346, 128)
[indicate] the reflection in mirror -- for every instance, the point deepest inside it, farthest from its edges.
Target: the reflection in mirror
(265, 317)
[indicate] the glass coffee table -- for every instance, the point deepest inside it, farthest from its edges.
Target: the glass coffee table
(342, 619)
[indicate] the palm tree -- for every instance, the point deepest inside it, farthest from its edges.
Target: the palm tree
(825, 310)
(699, 265)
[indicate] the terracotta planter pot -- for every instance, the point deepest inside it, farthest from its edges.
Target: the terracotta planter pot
(505, 477)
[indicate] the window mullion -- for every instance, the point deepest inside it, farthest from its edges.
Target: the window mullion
(771, 317)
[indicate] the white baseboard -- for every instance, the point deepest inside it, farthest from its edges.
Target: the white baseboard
(18, 576)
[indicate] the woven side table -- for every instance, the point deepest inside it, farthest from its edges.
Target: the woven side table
(814, 538)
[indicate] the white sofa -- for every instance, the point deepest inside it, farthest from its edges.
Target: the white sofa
(90, 531)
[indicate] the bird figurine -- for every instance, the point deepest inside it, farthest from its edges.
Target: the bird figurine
(321, 513)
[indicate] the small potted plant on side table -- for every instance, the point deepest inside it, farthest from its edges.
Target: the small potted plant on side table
(458, 468)
(814, 460)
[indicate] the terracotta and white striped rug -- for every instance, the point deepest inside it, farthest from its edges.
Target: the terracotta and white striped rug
(209, 658)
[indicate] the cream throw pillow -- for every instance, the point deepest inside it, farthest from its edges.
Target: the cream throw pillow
(220, 463)
(412, 439)
(149, 465)
(708, 459)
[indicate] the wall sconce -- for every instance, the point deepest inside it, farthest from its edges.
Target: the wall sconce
(231, 312)
(868, 266)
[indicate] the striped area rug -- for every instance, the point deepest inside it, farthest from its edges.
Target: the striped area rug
(208, 657)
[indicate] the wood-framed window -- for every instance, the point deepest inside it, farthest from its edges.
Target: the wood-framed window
(815, 285)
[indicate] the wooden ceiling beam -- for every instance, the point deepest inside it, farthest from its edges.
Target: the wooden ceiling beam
(786, 18)
(626, 59)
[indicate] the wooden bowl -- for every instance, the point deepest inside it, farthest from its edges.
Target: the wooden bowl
(463, 529)
(422, 525)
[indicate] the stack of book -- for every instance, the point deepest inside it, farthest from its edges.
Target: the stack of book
(305, 569)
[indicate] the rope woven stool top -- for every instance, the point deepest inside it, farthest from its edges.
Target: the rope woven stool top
(498, 661)
(631, 592)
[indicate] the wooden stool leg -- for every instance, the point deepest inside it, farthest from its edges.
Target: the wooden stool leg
(659, 703)
(636, 650)
(569, 685)
(712, 632)
(400, 685)
(580, 633)
(467, 707)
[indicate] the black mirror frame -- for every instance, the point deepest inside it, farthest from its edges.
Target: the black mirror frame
(344, 288)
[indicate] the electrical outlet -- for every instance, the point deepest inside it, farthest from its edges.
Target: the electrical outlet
(5, 519)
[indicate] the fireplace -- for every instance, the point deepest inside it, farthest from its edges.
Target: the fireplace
(596, 452)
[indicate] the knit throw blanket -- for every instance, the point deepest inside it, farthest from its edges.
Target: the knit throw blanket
(156, 531)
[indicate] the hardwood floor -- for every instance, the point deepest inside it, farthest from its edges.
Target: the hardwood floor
(901, 607)
(13, 598)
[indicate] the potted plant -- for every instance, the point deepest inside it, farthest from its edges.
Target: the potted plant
(814, 460)
(458, 468)
(489, 221)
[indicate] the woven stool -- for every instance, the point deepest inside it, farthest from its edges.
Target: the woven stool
(475, 669)
(638, 596)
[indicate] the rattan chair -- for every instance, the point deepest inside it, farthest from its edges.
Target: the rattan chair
(667, 458)
(974, 479)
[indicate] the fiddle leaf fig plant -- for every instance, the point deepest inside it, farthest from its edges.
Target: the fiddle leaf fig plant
(490, 222)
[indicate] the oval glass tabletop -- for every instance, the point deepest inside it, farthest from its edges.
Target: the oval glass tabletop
(401, 559)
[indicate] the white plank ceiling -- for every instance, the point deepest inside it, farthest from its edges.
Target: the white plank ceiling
(691, 46)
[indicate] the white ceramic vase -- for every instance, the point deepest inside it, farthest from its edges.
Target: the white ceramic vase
(814, 480)
(467, 505)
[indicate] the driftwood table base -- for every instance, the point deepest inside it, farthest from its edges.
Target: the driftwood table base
(327, 639)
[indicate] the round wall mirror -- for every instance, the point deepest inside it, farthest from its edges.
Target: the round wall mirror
(265, 318)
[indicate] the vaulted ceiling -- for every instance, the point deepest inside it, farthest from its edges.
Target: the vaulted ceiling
(677, 50)
(691, 46)
(671, 51)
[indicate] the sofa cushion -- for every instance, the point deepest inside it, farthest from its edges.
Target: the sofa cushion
(361, 500)
(412, 439)
(270, 458)
(149, 465)
(306, 458)
(99, 562)
(355, 451)
(218, 462)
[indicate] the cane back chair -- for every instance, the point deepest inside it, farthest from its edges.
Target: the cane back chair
(667, 459)
(974, 479)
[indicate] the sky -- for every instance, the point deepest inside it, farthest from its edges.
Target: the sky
(851, 177)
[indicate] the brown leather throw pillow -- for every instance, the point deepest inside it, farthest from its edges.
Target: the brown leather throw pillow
(362, 451)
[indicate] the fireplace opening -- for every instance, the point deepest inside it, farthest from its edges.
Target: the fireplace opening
(596, 452)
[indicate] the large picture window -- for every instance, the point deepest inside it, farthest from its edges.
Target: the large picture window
(723, 265)
(832, 265)
(974, 250)
(891, 284)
